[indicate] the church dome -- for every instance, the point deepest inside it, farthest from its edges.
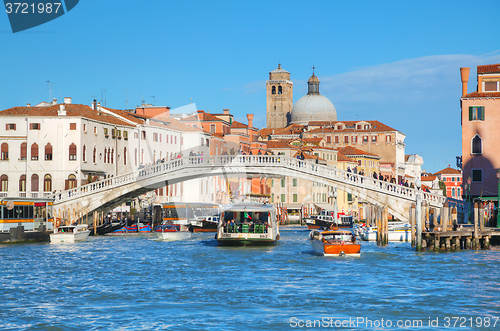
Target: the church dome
(313, 106)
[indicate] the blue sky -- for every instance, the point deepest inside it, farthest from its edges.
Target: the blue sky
(393, 61)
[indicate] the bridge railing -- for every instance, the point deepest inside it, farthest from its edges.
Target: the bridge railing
(308, 167)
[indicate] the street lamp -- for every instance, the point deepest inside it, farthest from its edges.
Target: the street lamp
(335, 206)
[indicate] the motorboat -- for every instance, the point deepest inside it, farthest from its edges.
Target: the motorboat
(335, 242)
(70, 233)
(172, 232)
(325, 220)
(245, 224)
(396, 231)
(204, 223)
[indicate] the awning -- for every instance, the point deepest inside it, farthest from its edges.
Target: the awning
(485, 198)
(292, 205)
(325, 206)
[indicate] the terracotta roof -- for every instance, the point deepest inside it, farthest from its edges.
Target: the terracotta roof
(482, 95)
(308, 156)
(192, 118)
(75, 110)
(238, 125)
(376, 127)
(125, 114)
(448, 171)
(351, 151)
(428, 178)
(488, 69)
(312, 140)
(291, 129)
(278, 144)
(344, 158)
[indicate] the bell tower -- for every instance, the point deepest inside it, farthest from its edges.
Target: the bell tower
(279, 98)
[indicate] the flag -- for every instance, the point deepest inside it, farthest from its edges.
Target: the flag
(247, 216)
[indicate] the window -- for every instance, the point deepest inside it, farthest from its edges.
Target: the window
(339, 127)
(458, 192)
(282, 182)
(72, 152)
(328, 139)
(94, 154)
(125, 155)
(84, 149)
(294, 197)
(358, 127)
(48, 152)
(136, 135)
(70, 182)
(354, 139)
(34, 152)
(367, 127)
(72, 126)
(365, 139)
(388, 139)
(208, 143)
(125, 135)
(452, 179)
(280, 90)
(10, 126)
(85, 128)
(324, 197)
(477, 146)
(295, 182)
(34, 183)
(112, 155)
(346, 139)
(452, 192)
(95, 130)
(5, 183)
(5, 151)
(143, 134)
(477, 175)
(336, 139)
(212, 128)
(349, 197)
(202, 141)
(282, 198)
(273, 90)
(22, 183)
(47, 183)
(34, 126)
(106, 132)
(476, 113)
(490, 86)
(374, 139)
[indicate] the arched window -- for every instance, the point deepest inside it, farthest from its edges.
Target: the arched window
(4, 183)
(125, 155)
(70, 182)
(477, 145)
(109, 155)
(458, 192)
(5, 151)
(47, 183)
(273, 90)
(22, 183)
(112, 155)
(105, 154)
(72, 152)
(34, 152)
(280, 90)
(142, 156)
(24, 151)
(135, 156)
(154, 156)
(94, 153)
(34, 183)
(48, 152)
(452, 192)
(84, 149)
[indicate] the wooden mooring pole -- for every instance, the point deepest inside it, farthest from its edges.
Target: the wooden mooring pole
(412, 224)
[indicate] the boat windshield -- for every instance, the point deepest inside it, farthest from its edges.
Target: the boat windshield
(243, 221)
(338, 236)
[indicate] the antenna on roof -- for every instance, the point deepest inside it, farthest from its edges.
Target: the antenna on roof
(142, 99)
(126, 98)
(50, 90)
(103, 101)
(154, 100)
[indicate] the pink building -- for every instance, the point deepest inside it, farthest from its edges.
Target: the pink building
(481, 133)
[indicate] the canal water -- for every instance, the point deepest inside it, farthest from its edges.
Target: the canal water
(135, 282)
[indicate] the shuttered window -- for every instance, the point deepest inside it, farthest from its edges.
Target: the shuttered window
(72, 126)
(72, 152)
(5, 151)
(48, 152)
(34, 152)
(24, 151)
(34, 183)
(476, 113)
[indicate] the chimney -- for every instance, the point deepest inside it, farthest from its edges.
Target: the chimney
(226, 111)
(28, 105)
(465, 79)
(94, 104)
(54, 102)
(67, 100)
(99, 108)
(250, 120)
(62, 110)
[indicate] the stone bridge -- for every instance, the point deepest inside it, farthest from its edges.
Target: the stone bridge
(107, 194)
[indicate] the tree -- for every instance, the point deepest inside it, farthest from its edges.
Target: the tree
(442, 186)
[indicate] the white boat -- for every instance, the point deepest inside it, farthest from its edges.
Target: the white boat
(248, 224)
(172, 232)
(397, 231)
(70, 233)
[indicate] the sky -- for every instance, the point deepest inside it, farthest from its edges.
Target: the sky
(393, 61)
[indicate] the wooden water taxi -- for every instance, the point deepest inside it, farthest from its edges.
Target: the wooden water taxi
(248, 224)
(334, 243)
(70, 233)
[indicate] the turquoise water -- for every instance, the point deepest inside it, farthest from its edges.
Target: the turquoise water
(134, 282)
